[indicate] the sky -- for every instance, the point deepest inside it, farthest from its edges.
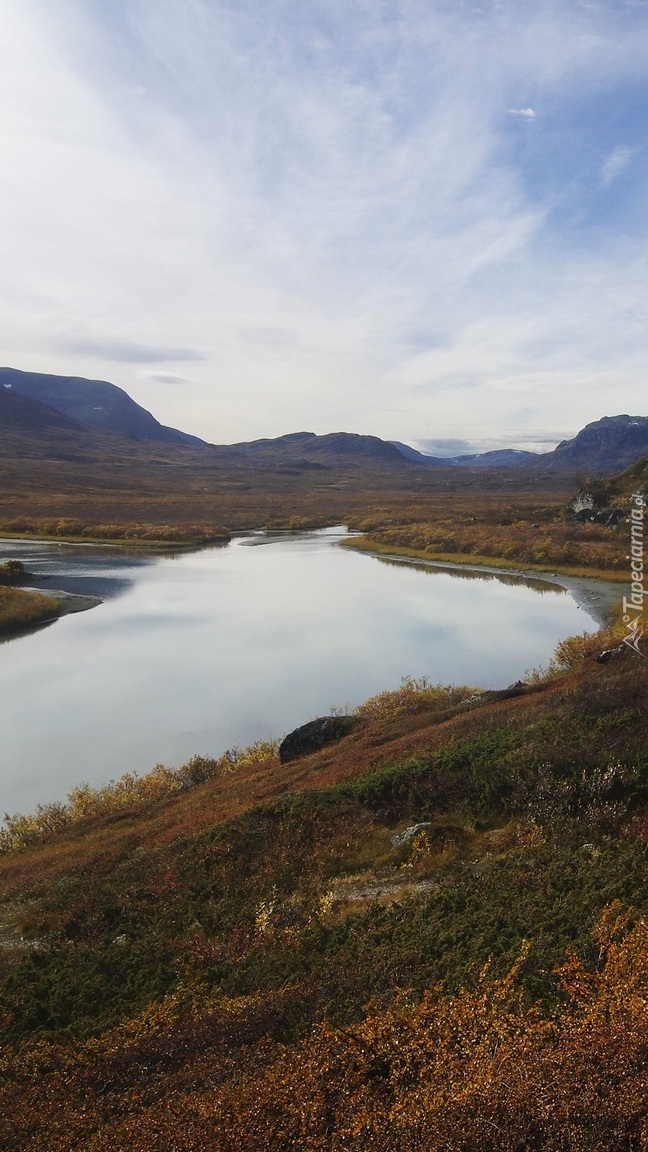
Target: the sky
(425, 220)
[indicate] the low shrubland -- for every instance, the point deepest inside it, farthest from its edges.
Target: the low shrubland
(73, 528)
(579, 549)
(244, 953)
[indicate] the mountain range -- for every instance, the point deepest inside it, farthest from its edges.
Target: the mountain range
(39, 404)
(607, 445)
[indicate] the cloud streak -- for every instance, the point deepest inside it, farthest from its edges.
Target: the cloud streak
(334, 213)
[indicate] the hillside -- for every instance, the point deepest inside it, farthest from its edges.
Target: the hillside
(325, 451)
(251, 954)
(93, 404)
(19, 414)
(633, 479)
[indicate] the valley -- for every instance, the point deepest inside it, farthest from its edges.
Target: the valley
(429, 933)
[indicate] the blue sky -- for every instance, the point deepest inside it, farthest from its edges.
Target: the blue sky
(422, 219)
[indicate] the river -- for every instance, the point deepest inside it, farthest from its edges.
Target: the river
(199, 652)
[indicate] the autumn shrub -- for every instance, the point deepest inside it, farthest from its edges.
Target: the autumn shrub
(259, 752)
(414, 695)
(131, 792)
(598, 798)
(126, 530)
(552, 541)
(483, 1068)
(576, 648)
(12, 572)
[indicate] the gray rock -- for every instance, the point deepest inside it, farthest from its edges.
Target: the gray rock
(313, 736)
(582, 502)
(409, 834)
(609, 654)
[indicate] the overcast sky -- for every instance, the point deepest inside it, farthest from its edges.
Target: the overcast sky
(422, 219)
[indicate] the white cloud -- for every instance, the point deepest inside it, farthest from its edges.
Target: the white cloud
(173, 378)
(322, 208)
(615, 164)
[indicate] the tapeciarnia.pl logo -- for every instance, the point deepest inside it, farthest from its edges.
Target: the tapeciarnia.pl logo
(633, 605)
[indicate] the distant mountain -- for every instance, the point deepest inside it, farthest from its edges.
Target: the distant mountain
(498, 458)
(332, 449)
(410, 453)
(603, 447)
(93, 404)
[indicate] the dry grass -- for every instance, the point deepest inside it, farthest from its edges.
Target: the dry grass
(19, 609)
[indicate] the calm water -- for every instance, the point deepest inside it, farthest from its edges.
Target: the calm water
(201, 652)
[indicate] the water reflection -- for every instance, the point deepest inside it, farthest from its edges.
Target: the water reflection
(462, 573)
(20, 633)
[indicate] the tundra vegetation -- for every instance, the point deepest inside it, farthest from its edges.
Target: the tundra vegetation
(522, 531)
(241, 953)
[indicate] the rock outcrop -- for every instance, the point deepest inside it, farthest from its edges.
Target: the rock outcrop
(313, 736)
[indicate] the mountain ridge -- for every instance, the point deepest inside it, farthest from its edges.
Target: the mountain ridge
(602, 448)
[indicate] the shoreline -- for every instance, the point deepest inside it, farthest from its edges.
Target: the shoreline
(68, 602)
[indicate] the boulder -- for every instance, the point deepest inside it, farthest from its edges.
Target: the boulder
(410, 833)
(313, 736)
(609, 654)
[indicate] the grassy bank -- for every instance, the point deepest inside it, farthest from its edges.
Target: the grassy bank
(242, 953)
(369, 544)
(133, 535)
(20, 610)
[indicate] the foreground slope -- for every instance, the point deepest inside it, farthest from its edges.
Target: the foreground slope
(243, 954)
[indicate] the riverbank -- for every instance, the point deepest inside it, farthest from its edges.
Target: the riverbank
(596, 593)
(154, 543)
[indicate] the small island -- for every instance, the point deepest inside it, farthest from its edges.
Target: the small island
(21, 609)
